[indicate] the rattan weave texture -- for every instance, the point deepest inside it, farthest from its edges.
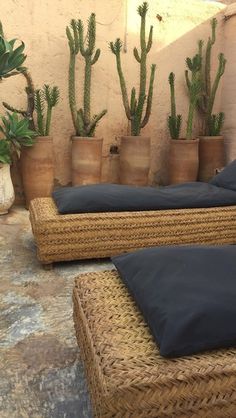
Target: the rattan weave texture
(97, 235)
(126, 375)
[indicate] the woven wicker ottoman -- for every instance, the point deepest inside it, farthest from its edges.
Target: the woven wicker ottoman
(126, 375)
(97, 235)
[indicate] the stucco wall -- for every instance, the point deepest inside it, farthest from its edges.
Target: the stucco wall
(41, 24)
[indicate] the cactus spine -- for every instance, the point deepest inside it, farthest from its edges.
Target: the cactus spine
(84, 124)
(194, 89)
(174, 121)
(209, 88)
(135, 107)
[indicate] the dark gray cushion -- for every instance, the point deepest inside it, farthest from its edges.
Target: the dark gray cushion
(116, 198)
(226, 178)
(186, 294)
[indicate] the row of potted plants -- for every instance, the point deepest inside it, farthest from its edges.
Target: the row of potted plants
(189, 158)
(36, 162)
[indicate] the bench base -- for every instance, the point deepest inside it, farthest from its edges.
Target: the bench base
(100, 235)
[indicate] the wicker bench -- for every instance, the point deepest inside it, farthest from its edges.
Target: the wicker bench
(97, 235)
(127, 377)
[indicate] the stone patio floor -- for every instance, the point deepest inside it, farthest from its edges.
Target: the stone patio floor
(41, 375)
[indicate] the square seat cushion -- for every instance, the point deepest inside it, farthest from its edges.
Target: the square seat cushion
(187, 295)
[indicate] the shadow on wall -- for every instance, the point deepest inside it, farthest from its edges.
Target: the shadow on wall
(178, 24)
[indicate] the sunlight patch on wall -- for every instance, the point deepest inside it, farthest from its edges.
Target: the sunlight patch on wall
(171, 18)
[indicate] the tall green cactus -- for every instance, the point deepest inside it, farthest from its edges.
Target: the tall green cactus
(84, 124)
(135, 107)
(194, 89)
(174, 121)
(48, 96)
(206, 100)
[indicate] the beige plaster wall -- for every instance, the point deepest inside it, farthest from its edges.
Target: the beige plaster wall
(41, 24)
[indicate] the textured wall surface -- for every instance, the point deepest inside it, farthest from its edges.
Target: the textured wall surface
(41, 24)
(229, 85)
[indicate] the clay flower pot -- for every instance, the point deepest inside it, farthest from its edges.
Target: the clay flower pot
(211, 156)
(86, 160)
(7, 195)
(134, 160)
(183, 160)
(37, 168)
(229, 147)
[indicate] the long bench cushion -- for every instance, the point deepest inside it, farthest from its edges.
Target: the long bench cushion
(186, 294)
(118, 198)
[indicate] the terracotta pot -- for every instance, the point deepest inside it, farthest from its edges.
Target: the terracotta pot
(37, 168)
(17, 180)
(183, 160)
(134, 160)
(7, 195)
(86, 160)
(229, 148)
(211, 156)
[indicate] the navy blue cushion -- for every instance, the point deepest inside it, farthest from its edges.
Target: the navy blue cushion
(117, 198)
(187, 295)
(226, 178)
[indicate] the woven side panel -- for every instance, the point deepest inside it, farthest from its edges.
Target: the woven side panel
(126, 375)
(97, 235)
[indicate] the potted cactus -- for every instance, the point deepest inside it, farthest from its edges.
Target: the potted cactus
(86, 148)
(16, 136)
(37, 162)
(183, 156)
(135, 149)
(211, 144)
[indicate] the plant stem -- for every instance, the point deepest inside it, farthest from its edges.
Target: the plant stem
(72, 99)
(48, 120)
(87, 90)
(190, 121)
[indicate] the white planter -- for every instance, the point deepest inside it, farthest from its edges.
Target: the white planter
(7, 195)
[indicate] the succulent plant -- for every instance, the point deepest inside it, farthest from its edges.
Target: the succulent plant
(207, 98)
(5, 152)
(47, 97)
(30, 94)
(194, 89)
(174, 121)
(83, 122)
(16, 132)
(216, 123)
(135, 107)
(11, 59)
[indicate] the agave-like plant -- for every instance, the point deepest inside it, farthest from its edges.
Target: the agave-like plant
(16, 132)
(11, 59)
(5, 152)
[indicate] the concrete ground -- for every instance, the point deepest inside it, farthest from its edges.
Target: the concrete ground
(41, 375)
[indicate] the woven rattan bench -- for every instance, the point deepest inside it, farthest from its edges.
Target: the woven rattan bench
(127, 377)
(98, 235)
